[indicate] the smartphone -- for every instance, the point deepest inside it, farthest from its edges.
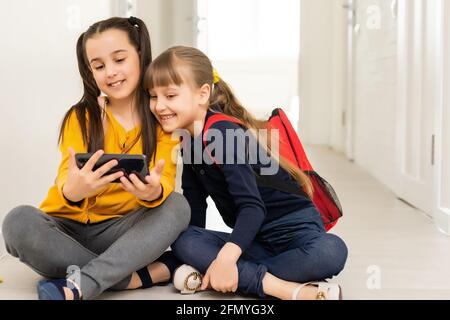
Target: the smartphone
(127, 163)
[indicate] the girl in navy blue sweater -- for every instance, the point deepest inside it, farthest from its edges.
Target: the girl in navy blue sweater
(278, 246)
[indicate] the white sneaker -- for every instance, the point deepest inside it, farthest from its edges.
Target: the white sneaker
(325, 291)
(187, 279)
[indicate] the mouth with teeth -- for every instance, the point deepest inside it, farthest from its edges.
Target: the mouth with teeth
(166, 117)
(116, 84)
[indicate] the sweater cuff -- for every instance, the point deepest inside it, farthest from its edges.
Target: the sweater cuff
(242, 242)
(166, 191)
(73, 206)
(245, 229)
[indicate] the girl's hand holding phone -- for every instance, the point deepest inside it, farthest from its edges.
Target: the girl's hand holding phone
(149, 191)
(83, 183)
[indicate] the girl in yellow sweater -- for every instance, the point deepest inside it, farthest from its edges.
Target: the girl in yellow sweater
(91, 234)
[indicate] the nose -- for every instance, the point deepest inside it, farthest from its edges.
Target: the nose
(159, 105)
(111, 71)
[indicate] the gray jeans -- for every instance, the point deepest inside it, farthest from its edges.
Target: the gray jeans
(107, 253)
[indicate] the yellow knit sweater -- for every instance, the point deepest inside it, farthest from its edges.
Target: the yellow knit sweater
(113, 201)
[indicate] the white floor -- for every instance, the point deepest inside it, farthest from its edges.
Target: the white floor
(395, 251)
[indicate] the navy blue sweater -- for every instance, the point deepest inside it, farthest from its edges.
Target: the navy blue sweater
(243, 205)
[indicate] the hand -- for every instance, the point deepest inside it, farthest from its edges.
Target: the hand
(222, 275)
(148, 191)
(83, 183)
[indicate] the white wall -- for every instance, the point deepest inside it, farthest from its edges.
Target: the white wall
(170, 22)
(155, 15)
(261, 89)
(39, 81)
(315, 75)
(323, 86)
(338, 75)
(376, 92)
(322, 82)
(183, 22)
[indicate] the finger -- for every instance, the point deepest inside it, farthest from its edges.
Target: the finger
(128, 185)
(149, 180)
(105, 168)
(72, 162)
(93, 160)
(205, 281)
(158, 168)
(224, 288)
(234, 289)
(124, 186)
(111, 177)
(152, 180)
(137, 182)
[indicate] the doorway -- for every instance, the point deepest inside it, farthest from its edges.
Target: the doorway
(418, 80)
(254, 45)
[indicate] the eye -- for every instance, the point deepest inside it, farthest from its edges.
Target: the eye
(98, 67)
(153, 97)
(171, 96)
(120, 60)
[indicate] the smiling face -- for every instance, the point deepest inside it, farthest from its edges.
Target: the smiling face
(179, 106)
(114, 63)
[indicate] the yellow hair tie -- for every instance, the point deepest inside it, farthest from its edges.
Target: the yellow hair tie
(216, 76)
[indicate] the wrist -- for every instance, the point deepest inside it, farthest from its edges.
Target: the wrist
(156, 195)
(69, 197)
(230, 252)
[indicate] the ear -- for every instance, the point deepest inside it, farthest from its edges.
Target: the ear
(204, 93)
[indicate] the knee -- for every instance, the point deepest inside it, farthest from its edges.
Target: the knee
(180, 211)
(186, 244)
(336, 252)
(19, 224)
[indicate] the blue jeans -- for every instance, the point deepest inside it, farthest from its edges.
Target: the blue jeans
(294, 247)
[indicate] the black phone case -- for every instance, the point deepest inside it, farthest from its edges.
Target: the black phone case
(128, 164)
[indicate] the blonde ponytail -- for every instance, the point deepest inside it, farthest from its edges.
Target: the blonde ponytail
(225, 98)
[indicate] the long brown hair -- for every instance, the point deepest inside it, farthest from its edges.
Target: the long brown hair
(163, 71)
(88, 107)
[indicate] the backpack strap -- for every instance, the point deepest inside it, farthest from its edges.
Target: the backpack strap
(262, 181)
(278, 184)
(217, 117)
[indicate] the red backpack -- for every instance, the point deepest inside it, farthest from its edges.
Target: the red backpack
(290, 147)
